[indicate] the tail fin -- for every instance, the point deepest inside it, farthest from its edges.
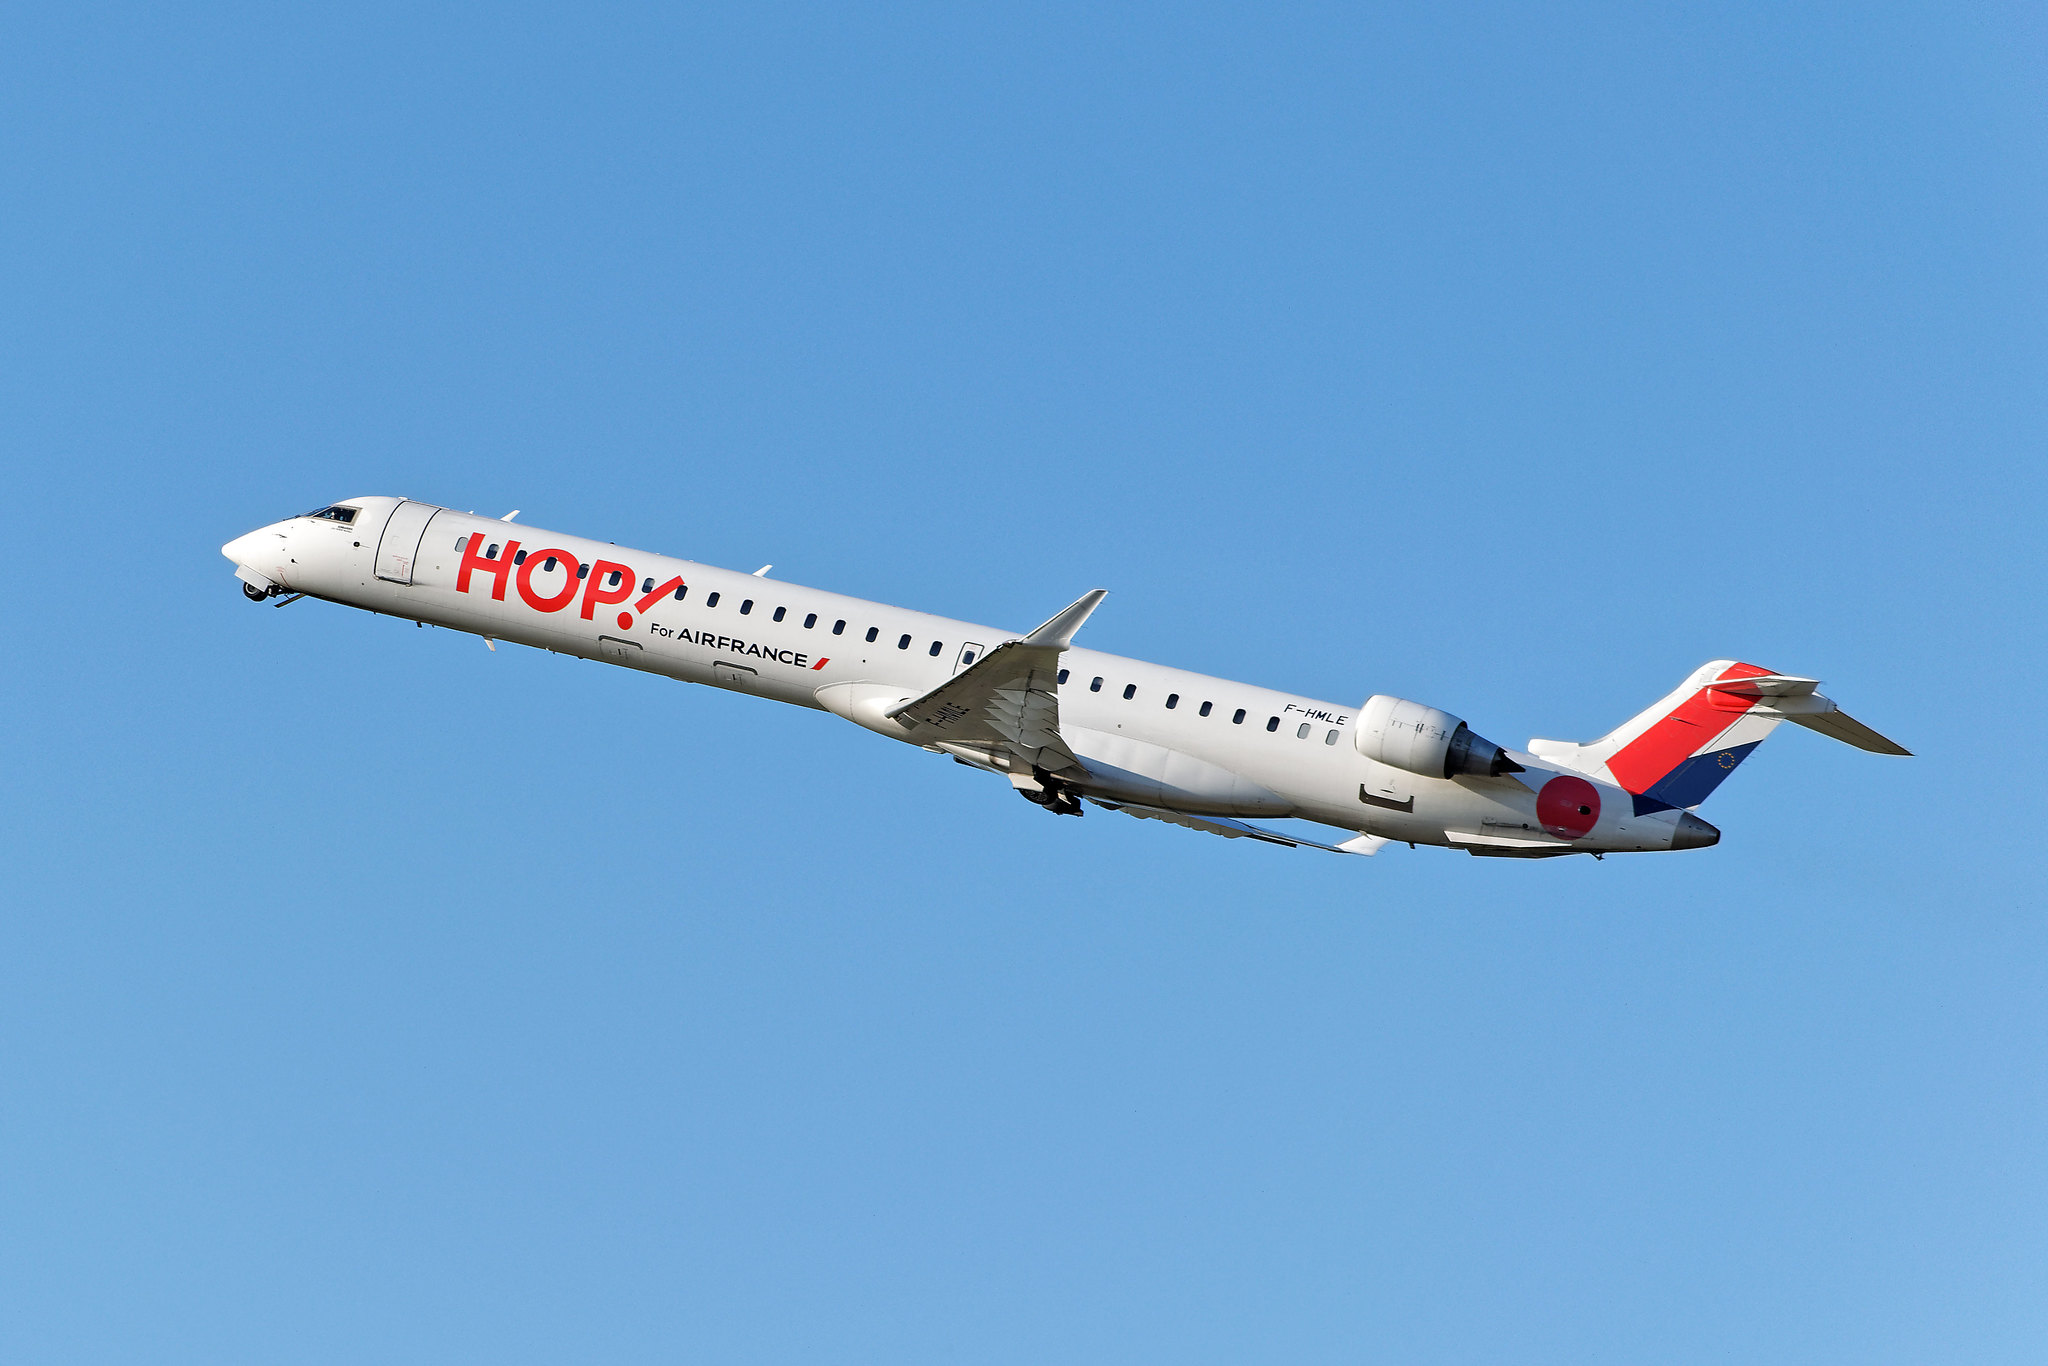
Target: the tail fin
(1675, 754)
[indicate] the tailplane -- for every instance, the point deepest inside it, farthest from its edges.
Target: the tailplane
(1675, 754)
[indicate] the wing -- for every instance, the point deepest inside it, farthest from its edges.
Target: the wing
(1008, 699)
(1237, 830)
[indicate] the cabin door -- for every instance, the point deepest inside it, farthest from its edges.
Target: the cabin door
(399, 549)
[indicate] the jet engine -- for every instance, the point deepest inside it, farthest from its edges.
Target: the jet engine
(1426, 740)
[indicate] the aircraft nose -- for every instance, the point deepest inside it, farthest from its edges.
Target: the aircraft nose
(242, 550)
(1693, 833)
(262, 556)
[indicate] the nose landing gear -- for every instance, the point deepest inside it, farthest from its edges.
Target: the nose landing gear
(255, 594)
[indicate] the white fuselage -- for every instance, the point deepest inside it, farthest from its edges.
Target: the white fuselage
(1148, 734)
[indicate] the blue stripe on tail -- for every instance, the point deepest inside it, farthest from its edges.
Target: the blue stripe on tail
(1693, 781)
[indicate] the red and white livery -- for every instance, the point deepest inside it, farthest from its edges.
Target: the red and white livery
(1061, 724)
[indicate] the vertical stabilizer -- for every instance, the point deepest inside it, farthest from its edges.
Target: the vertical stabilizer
(1677, 752)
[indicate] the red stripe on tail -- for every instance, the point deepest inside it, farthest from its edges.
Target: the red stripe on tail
(1678, 734)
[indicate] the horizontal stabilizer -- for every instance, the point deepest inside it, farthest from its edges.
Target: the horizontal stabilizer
(1839, 725)
(1767, 685)
(1816, 712)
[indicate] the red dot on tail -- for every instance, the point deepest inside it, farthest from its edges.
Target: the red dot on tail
(625, 621)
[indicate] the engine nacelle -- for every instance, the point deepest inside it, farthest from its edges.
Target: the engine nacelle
(1425, 740)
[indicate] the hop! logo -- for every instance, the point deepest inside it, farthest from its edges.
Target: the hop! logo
(606, 583)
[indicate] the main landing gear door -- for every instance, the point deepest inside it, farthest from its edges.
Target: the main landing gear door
(399, 549)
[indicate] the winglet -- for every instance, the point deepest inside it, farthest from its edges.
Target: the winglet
(510, 515)
(1058, 633)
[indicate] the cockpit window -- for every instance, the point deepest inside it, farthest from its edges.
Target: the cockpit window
(345, 516)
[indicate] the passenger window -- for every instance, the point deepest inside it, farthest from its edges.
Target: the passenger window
(491, 551)
(873, 631)
(520, 558)
(1096, 686)
(1063, 676)
(548, 563)
(1302, 733)
(1272, 724)
(461, 541)
(780, 612)
(711, 601)
(582, 571)
(838, 628)
(966, 658)
(936, 647)
(1331, 738)
(904, 643)
(647, 585)
(810, 621)
(1206, 706)
(681, 589)
(1238, 718)
(1172, 700)
(614, 581)
(746, 607)
(1130, 691)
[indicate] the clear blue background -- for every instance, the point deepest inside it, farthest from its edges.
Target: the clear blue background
(368, 996)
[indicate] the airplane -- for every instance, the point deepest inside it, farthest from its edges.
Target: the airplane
(1063, 725)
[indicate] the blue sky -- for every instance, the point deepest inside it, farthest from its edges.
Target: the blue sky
(368, 995)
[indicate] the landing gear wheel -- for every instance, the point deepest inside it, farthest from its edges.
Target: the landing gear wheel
(1052, 794)
(253, 593)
